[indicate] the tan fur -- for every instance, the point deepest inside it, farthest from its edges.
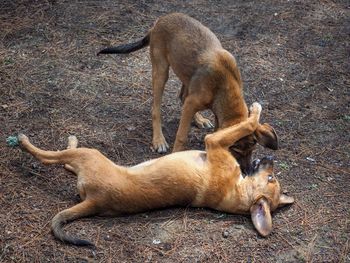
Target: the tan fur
(190, 178)
(210, 80)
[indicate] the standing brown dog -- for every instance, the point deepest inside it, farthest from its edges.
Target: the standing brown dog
(190, 178)
(210, 80)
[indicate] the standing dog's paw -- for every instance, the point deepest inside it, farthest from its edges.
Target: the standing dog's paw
(160, 145)
(201, 122)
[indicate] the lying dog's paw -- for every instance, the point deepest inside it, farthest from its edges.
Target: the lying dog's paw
(255, 108)
(72, 142)
(21, 137)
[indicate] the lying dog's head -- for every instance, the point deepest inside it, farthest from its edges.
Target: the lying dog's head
(265, 194)
(242, 150)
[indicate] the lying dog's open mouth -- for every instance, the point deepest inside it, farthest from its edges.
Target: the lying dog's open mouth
(255, 165)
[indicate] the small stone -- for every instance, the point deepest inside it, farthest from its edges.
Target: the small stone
(156, 241)
(130, 128)
(310, 159)
(225, 234)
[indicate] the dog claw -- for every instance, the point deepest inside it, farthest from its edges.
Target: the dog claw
(206, 124)
(161, 147)
(210, 125)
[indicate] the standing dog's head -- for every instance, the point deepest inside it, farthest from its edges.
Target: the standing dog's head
(242, 150)
(265, 194)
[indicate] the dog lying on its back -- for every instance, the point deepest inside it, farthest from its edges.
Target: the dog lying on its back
(210, 179)
(210, 80)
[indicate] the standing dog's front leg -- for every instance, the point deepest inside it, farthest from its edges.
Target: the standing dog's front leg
(188, 110)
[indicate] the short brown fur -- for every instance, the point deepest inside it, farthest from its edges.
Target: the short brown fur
(210, 179)
(210, 80)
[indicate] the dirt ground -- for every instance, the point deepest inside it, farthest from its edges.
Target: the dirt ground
(294, 59)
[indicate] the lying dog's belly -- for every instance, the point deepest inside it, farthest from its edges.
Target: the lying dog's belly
(175, 179)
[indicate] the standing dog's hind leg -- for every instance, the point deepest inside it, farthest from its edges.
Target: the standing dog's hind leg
(199, 120)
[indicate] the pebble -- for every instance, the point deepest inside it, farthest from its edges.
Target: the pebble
(156, 242)
(225, 234)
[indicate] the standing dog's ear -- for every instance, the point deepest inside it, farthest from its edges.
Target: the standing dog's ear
(261, 217)
(266, 136)
(285, 200)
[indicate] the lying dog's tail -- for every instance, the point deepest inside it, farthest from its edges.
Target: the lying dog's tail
(127, 48)
(83, 209)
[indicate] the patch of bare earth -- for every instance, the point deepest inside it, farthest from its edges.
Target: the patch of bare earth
(294, 59)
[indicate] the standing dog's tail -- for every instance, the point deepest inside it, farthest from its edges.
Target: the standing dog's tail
(127, 48)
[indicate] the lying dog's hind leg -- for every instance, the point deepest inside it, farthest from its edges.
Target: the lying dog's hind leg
(72, 144)
(83, 209)
(46, 157)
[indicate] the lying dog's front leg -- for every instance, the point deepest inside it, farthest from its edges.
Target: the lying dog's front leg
(226, 137)
(224, 168)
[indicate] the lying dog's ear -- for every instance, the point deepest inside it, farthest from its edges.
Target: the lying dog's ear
(261, 217)
(285, 200)
(266, 136)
